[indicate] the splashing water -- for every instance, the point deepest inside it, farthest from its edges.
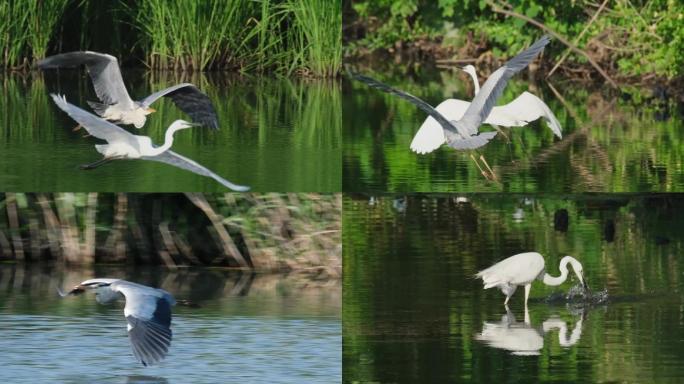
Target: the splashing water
(577, 294)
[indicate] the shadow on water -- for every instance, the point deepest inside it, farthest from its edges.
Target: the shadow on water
(140, 379)
(412, 309)
(609, 143)
(275, 134)
(525, 339)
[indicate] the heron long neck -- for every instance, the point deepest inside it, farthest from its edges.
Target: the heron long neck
(168, 141)
(550, 280)
(476, 84)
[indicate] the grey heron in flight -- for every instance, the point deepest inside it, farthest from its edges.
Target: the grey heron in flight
(122, 144)
(523, 269)
(464, 133)
(147, 312)
(117, 106)
(519, 112)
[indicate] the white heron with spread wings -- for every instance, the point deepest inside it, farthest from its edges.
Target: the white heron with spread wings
(518, 113)
(147, 312)
(122, 144)
(117, 106)
(462, 132)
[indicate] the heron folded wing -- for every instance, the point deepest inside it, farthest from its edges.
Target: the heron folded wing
(191, 101)
(172, 158)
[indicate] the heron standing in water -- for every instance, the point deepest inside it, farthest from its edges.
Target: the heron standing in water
(523, 269)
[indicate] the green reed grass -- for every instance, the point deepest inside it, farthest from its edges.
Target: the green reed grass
(316, 35)
(302, 36)
(27, 28)
(285, 36)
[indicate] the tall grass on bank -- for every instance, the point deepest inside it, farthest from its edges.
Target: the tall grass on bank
(294, 36)
(182, 34)
(301, 37)
(262, 232)
(316, 36)
(26, 29)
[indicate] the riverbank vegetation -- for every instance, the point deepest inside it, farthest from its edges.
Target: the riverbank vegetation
(260, 232)
(289, 37)
(630, 40)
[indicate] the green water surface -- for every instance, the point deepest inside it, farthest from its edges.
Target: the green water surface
(275, 134)
(413, 311)
(612, 141)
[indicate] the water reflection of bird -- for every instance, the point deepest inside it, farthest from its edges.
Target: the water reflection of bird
(117, 105)
(521, 338)
(123, 145)
(519, 112)
(147, 312)
(464, 132)
(523, 269)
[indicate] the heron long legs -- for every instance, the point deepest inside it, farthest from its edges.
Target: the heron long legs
(527, 293)
(489, 173)
(98, 163)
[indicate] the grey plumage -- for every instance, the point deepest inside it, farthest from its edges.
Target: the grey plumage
(463, 134)
(492, 89)
(110, 88)
(147, 312)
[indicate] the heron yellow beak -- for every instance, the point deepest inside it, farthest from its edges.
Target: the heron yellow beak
(150, 110)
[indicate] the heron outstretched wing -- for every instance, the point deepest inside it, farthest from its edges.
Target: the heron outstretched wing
(430, 135)
(96, 126)
(526, 107)
(492, 89)
(148, 314)
(424, 106)
(172, 158)
(104, 72)
(191, 101)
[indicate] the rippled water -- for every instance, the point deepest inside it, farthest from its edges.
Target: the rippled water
(248, 329)
(413, 311)
(611, 142)
(275, 134)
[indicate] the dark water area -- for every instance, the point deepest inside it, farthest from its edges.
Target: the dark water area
(413, 311)
(275, 134)
(248, 328)
(612, 142)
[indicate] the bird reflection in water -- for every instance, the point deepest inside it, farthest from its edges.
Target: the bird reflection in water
(523, 339)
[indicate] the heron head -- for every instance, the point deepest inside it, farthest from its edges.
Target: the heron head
(579, 271)
(91, 284)
(469, 69)
(181, 124)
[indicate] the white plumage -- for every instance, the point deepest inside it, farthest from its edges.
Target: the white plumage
(519, 112)
(523, 269)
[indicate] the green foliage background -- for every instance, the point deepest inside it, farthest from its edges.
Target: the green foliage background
(631, 37)
(290, 36)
